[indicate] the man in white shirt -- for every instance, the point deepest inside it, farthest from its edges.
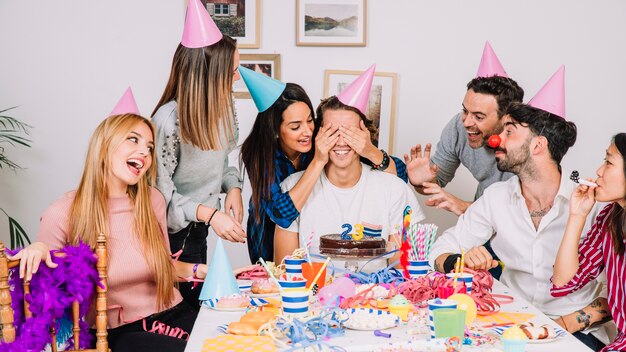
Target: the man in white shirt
(525, 219)
(348, 192)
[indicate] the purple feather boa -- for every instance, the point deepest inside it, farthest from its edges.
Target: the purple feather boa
(52, 294)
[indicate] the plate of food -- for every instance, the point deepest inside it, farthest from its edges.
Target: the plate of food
(262, 288)
(537, 334)
(234, 303)
(369, 319)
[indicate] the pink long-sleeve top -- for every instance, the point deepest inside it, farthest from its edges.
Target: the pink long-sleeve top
(596, 253)
(132, 290)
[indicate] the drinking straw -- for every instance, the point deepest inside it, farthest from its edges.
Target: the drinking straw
(319, 273)
(269, 272)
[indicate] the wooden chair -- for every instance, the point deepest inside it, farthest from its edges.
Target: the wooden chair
(6, 312)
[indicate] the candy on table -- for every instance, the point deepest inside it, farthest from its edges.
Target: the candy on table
(370, 319)
(400, 306)
(378, 291)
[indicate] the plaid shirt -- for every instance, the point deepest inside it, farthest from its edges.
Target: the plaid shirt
(280, 209)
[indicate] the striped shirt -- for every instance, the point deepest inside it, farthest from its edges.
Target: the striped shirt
(596, 253)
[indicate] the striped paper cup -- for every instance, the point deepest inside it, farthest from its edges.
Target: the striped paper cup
(244, 285)
(293, 268)
(435, 304)
(292, 283)
(418, 268)
(295, 301)
(465, 278)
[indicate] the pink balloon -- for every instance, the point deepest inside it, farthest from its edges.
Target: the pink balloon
(344, 287)
(327, 296)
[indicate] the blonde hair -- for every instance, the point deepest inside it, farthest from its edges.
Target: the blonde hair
(89, 211)
(201, 83)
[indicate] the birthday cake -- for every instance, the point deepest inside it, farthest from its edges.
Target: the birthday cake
(366, 247)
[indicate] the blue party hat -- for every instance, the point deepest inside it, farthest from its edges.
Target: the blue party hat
(220, 280)
(263, 89)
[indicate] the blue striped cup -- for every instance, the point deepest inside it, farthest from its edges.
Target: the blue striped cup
(465, 278)
(293, 268)
(418, 268)
(435, 304)
(244, 285)
(292, 283)
(295, 301)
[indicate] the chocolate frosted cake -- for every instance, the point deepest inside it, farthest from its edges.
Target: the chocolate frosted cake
(333, 245)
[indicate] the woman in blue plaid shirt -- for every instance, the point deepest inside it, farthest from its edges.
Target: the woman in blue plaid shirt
(285, 139)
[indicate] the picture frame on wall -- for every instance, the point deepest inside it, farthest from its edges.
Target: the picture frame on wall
(268, 64)
(239, 19)
(331, 22)
(381, 105)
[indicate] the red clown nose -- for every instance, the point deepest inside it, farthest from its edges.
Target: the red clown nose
(494, 141)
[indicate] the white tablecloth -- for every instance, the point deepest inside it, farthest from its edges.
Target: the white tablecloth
(208, 320)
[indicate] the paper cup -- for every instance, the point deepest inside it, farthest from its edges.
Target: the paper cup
(295, 301)
(309, 272)
(514, 345)
(433, 305)
(293, 268)
(464, 278)
(418, 268)
(292, 284)
(449, 322)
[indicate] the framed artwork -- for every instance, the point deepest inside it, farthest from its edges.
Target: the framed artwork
(239, 19)
(268, 64)
(330, 22)
(381, 105)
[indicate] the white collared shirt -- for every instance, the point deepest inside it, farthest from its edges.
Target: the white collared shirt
(528, 254)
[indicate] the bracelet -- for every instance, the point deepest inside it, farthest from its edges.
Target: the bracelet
(564, 325)
(195, 269)
(383, 164)
(208, 222)
(448, 264)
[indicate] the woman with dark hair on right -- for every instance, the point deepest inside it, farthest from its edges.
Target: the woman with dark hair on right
(285, 139)
(603, 248)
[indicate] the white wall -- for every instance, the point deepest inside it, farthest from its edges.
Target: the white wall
(65, 63)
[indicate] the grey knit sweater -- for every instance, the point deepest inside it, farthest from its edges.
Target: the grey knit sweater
(188, 176)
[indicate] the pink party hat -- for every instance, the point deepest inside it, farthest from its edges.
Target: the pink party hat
(489, 64)
(200, 30)
(126, 105)
(358, 92)
(551, 97)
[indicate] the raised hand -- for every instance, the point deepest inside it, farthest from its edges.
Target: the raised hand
(326, 139)
(582, 200)
(418, 166)
(360, 140)
(444, 200)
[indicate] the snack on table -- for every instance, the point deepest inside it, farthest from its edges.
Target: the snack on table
(264, 286)
(378, 291)
(233, 301)
(400, 306)
(514, 339)
(537, 332)
(366, 247)
(250, 323)
(369, 319)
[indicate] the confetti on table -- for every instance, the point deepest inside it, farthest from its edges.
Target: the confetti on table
(234, 343)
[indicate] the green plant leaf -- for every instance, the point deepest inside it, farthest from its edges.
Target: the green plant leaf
(17, 234)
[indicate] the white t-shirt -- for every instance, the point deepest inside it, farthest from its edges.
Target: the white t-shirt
(378, 198)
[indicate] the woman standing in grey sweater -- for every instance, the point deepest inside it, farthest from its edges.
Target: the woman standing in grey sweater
(196, 130)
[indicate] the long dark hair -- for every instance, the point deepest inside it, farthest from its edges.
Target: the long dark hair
(617, 221)
(258, 151)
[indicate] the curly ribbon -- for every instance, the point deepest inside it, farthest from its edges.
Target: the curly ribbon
(303, 334)
(161, 328)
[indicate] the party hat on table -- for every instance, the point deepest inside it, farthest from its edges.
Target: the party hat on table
(220, 280)
(126, 104)
(551, 97)
(200, 30)
(263, 89)
(358, 92)
(489, 64)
